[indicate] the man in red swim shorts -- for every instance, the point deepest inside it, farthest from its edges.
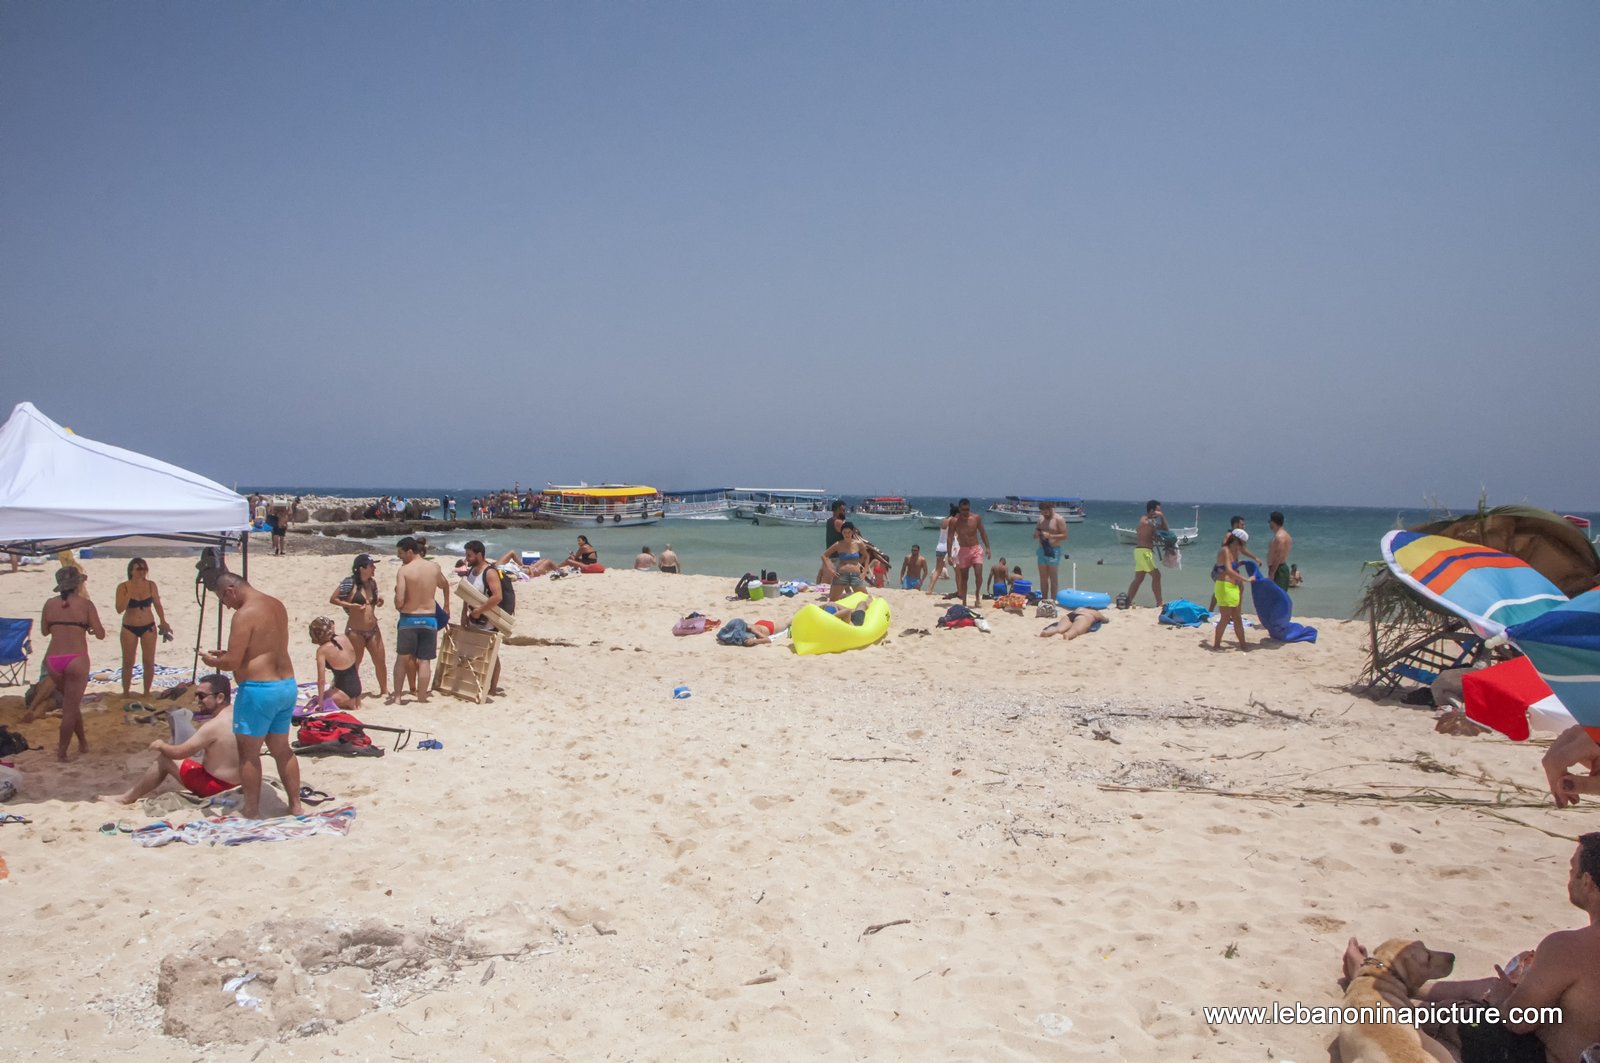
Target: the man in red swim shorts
(213, 741)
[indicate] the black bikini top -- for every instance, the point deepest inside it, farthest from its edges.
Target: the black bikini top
(140, 603)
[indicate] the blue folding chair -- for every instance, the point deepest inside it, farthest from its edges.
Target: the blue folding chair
(14, 649)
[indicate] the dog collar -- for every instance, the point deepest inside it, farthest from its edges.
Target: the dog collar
(1373, 961)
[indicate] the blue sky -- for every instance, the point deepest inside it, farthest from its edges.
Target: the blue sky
(1290, 253)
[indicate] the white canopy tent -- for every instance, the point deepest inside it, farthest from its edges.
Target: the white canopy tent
(59, 490)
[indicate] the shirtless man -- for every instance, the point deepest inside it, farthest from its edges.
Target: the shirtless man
(214, 742)
(669, 561)
(995, 582)
(914, 569)
(1051, 533)
(1144, 555)
(1278, 552)
(258, 657)
(417, 639)
(1564, 972)
(645, 561)
(966, 529)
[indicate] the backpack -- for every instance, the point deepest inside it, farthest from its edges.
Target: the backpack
(338, 734)
(741, 590)
(508, 591)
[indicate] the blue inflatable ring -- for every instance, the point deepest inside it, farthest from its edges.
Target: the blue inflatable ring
(1071, 599)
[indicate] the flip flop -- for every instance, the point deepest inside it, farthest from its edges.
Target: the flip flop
(314, 797)
(11, 817)
(122, 826)
(430, 743)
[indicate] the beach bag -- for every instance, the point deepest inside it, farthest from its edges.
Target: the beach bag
(338, 734)
(733, 633)
(693, 624)
(1047, 609)
(741, 590)
(1181, 612)
(958, 616)
(11, 742)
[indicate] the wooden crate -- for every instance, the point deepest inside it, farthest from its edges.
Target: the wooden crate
(466, 662)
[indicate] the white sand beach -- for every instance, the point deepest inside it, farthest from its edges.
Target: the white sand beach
(701, 878)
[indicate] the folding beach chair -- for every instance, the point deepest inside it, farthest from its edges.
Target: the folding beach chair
(1420, 661)
(15, 647)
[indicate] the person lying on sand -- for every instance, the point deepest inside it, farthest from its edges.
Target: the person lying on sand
(738, 633)
(1563, 972)
(213, 741)
(1076, 622)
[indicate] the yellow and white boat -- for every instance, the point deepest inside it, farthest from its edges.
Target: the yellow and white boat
(608, 505)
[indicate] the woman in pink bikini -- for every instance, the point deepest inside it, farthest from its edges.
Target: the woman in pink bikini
(69, 619)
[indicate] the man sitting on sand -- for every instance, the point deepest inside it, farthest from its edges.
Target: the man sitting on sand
(213, 742)
(1077, 622)
(997, 579)
(1563, 972)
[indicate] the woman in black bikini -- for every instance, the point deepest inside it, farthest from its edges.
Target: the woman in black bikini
(583, 555)
(139, 602)
(69, 619)
(339, 656)
(358, 596)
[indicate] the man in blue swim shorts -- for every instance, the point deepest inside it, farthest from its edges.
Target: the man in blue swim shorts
(264, 688)
(914, 569)
(417, 637)
(1051, 533)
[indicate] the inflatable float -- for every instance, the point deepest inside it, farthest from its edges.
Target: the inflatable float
(815, 630)
(1076, 599)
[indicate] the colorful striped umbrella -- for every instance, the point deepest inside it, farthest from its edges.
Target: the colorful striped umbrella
(1488, 589)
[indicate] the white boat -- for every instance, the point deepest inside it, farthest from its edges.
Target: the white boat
(885, 507)
(608, 505)
(934, 523)
(1186, 536)
(700, 503)
(748, 501)
(1024, 509)
(792, 516)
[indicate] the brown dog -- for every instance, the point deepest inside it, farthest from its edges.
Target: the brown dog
(1390, 977)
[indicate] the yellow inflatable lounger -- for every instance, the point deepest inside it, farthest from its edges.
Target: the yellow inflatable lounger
(815, 630)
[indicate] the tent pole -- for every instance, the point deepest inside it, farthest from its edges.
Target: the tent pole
(199, 631)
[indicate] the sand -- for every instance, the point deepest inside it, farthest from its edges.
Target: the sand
(701, 878)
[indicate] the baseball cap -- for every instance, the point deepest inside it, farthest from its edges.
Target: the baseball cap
(1240, 534)
(363, 560)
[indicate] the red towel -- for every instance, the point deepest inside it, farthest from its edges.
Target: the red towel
(1499, 696)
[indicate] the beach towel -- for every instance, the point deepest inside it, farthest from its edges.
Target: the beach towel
(233, 831)
(1181, 612)
(114, 675)
(1274, 608)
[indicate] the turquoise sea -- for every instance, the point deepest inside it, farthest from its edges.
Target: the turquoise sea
(1332, 544)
